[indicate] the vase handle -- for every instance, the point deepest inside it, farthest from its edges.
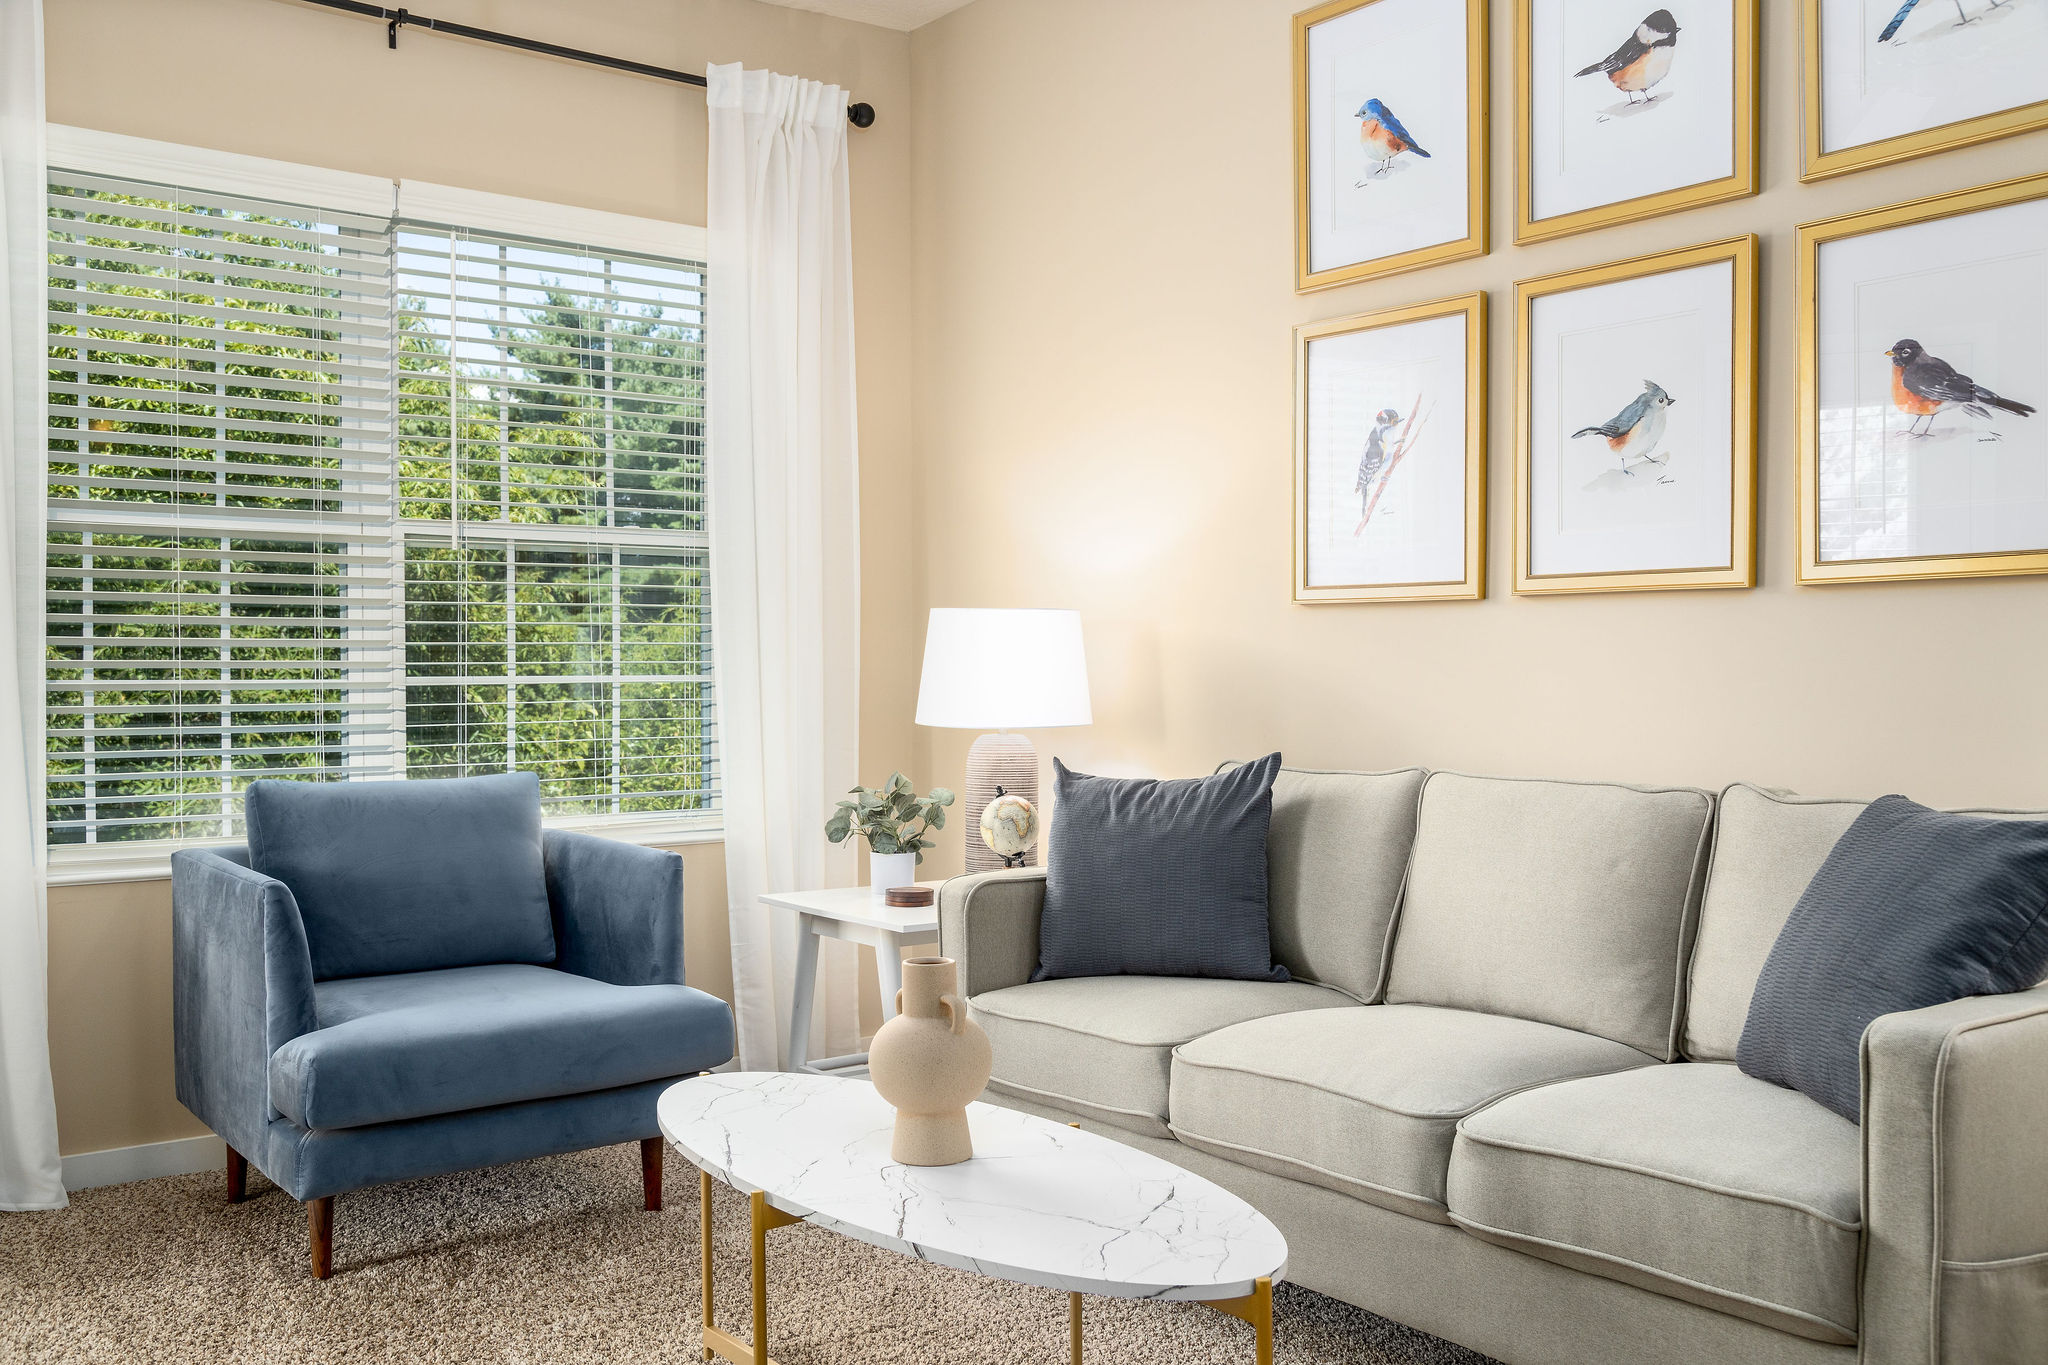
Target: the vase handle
(899, 1000)
(956, 1012)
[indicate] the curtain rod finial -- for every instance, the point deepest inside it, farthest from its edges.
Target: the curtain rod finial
(861, 115)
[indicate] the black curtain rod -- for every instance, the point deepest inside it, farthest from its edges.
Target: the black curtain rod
(860, 115)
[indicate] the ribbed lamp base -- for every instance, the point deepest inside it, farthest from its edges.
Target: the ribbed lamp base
(1006, 761)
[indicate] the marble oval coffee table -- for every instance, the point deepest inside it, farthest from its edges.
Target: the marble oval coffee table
(1040, 1203)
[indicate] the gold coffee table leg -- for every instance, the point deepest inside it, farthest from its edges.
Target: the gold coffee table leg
(1074, 1328)
(704, 1236)
(1255, 1308)
(764, 1220)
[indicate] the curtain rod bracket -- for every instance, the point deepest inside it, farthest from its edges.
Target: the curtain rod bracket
(391, 29)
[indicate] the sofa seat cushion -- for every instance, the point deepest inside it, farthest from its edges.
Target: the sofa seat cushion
(1691, 1180)
(423, 1043)
(1103, 1045)
(1366, 1101)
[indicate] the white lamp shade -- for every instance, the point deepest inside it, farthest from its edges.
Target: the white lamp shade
(989, 668)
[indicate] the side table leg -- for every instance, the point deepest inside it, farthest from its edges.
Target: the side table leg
(1255, 1308)
(889, 975)
(801, 1000)
(1074, 1329)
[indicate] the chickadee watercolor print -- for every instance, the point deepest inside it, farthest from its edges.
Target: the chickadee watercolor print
(1640, 64)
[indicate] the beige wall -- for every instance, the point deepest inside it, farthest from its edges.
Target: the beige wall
(1105, 295)
(282, 80)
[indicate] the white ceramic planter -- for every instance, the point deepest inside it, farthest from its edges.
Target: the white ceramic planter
(890, 869)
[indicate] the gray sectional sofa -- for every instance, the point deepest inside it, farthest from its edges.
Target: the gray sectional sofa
(1498, 1100)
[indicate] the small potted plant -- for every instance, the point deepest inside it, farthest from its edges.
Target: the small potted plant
(895, 821)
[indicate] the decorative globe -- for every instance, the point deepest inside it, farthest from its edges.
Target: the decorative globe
(1009, 826)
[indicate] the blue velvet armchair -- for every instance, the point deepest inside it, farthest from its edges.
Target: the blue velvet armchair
(402, 979)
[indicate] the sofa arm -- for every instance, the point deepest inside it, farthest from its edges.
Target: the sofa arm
(1955, 1183)
(241, 988)
(988, 923)
(618, 909)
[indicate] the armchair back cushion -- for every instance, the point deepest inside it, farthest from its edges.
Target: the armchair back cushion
(408, 876)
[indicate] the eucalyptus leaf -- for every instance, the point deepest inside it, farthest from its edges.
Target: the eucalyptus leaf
(838, 827)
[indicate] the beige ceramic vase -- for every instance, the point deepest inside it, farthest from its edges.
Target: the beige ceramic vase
(930, 1061)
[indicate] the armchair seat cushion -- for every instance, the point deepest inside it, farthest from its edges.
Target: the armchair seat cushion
(424, 1043)
(1102, 1045)
(1366, 1101)
(1691, 1180)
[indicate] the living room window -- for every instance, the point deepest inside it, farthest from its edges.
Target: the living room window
(342, 494)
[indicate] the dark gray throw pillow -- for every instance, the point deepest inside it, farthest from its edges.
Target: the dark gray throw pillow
(1159, 878)
(1914, 907)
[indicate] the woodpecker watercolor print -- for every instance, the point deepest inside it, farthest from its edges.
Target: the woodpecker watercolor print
(1924, 450)
(1390, 137)
(1892, 79)
(1389, 454)
(1627, 111)
(1636, 438)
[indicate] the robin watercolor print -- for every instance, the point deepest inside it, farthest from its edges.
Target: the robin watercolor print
(1639, 65)
(1635, 434)
(1383, 139)
(1924, 386)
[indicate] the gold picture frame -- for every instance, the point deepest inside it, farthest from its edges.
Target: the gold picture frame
(1475, 242)
(1741, 183)
(1471, 587)
(1739, 571)
(1820, 164)
(1813, 236)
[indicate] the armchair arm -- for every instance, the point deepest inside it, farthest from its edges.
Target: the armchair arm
(988, 923)
(1955, 1183)
(618, 909)
(241, 987)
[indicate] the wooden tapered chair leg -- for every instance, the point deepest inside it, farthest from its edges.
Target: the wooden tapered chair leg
(650, 1173)
(320, 1233)
(238, 1176)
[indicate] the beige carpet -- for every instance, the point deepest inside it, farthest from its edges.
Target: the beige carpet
(553, 1261)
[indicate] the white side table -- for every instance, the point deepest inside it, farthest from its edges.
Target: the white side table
(850, 913)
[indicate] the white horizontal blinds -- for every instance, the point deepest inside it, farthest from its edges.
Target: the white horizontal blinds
(221, 595)
(551, 477)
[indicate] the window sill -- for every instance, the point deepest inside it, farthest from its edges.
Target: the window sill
(87, 864)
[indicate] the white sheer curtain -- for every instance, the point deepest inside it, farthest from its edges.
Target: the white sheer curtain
(30, 1177)
(785, 530)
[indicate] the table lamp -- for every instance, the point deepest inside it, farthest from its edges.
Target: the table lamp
(1001, 669)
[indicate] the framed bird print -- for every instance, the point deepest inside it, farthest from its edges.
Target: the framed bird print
(1891, 79)
(1923, 332)
(1390, 455)
(1635, 424)
(1625, 112)
(1389, 137)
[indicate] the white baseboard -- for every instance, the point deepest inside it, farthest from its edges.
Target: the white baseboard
(119, 1165)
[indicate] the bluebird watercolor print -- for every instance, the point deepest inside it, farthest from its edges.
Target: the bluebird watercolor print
(1928, 339)
(1390, 165)
(1388, 454)
(1630, 110)
(1637, 443)
(1890, 79)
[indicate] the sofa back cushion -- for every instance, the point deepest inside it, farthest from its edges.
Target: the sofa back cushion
(1570, 903)
(1767, 847)
(1336, 855)
(408, 876)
